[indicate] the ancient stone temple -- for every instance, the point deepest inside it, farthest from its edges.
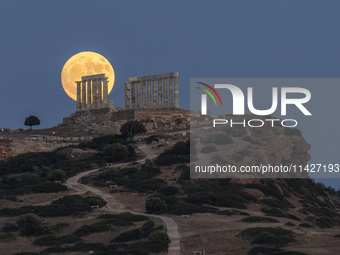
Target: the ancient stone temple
(92, 93)
(152, 92)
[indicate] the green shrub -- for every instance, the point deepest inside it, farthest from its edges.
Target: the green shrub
(94, 228)
(179, 153)
(99, 143)
(29, 224)
(218, 139)
(17, 180)
(134, 234)
(7, 237)
(252, 140)
(231, 212)
(147, 228)
(260, 250)
(155, 205)
(259, 219)
(10, 228)
(275, 212)
(281, 204)
(26, 253)
(115, 152)
(305, 225)
(46, 187)
(208, 149)
(56, 175)
(56, 241)
(290, 224)
(68, 205)
(261, 235)
(131, 128)
(161, 238)
(169, 190)
(321, 222)
(57, 228)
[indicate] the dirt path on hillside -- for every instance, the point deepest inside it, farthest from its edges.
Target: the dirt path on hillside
(114, 206)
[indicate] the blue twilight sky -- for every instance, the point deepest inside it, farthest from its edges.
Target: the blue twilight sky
(241, 38)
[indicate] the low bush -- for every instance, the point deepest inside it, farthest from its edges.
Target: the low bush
(321, 222)
(282, 204)
(7, 237)
(94, 228)
(275, 212)
(134, 234)
(231, 212)
(266, 235)
(56, 240)
(169, 190)
(259, 219)
(305, 225)
(128, 217)
(208, 149)
(68, 205)
(99, 143)
(260, 250)
(46, 187)
(161, 238)
(10, 228)
(155, 205)
(29, 225)
(179, 153)
(115, 152)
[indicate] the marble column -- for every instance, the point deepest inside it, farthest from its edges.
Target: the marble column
(78, 95)
(176, 93)
(144, 94)
(160, 93)
(127, 94)
(89, 95)
(95, 93)
(149, 95)
(133, 95)
(138, 95)
(105, 92)
(100, 94)
(171, 92)
(154, 94)
(165, 89)
(83, 96)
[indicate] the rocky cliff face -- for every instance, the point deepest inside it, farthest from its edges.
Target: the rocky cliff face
(249, 146)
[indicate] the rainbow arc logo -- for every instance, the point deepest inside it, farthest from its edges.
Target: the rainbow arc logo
(209, 93)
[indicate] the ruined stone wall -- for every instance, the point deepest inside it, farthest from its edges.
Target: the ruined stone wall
(12, 147)
(109, 122)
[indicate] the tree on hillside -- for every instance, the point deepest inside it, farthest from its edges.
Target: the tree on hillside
(32, 121)
(29, 224)
(132, 128)
(116, 152)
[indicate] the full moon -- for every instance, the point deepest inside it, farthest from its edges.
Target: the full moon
(83, 64)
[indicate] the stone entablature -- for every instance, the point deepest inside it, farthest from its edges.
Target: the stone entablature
(92, 93)
(152, 92)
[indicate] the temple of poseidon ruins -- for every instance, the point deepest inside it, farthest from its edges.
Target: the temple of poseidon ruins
(153, 99)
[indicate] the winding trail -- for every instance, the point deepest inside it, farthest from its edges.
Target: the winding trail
(114, 206)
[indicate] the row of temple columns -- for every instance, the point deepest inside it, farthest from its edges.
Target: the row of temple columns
(92, 92)
(153, 92)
